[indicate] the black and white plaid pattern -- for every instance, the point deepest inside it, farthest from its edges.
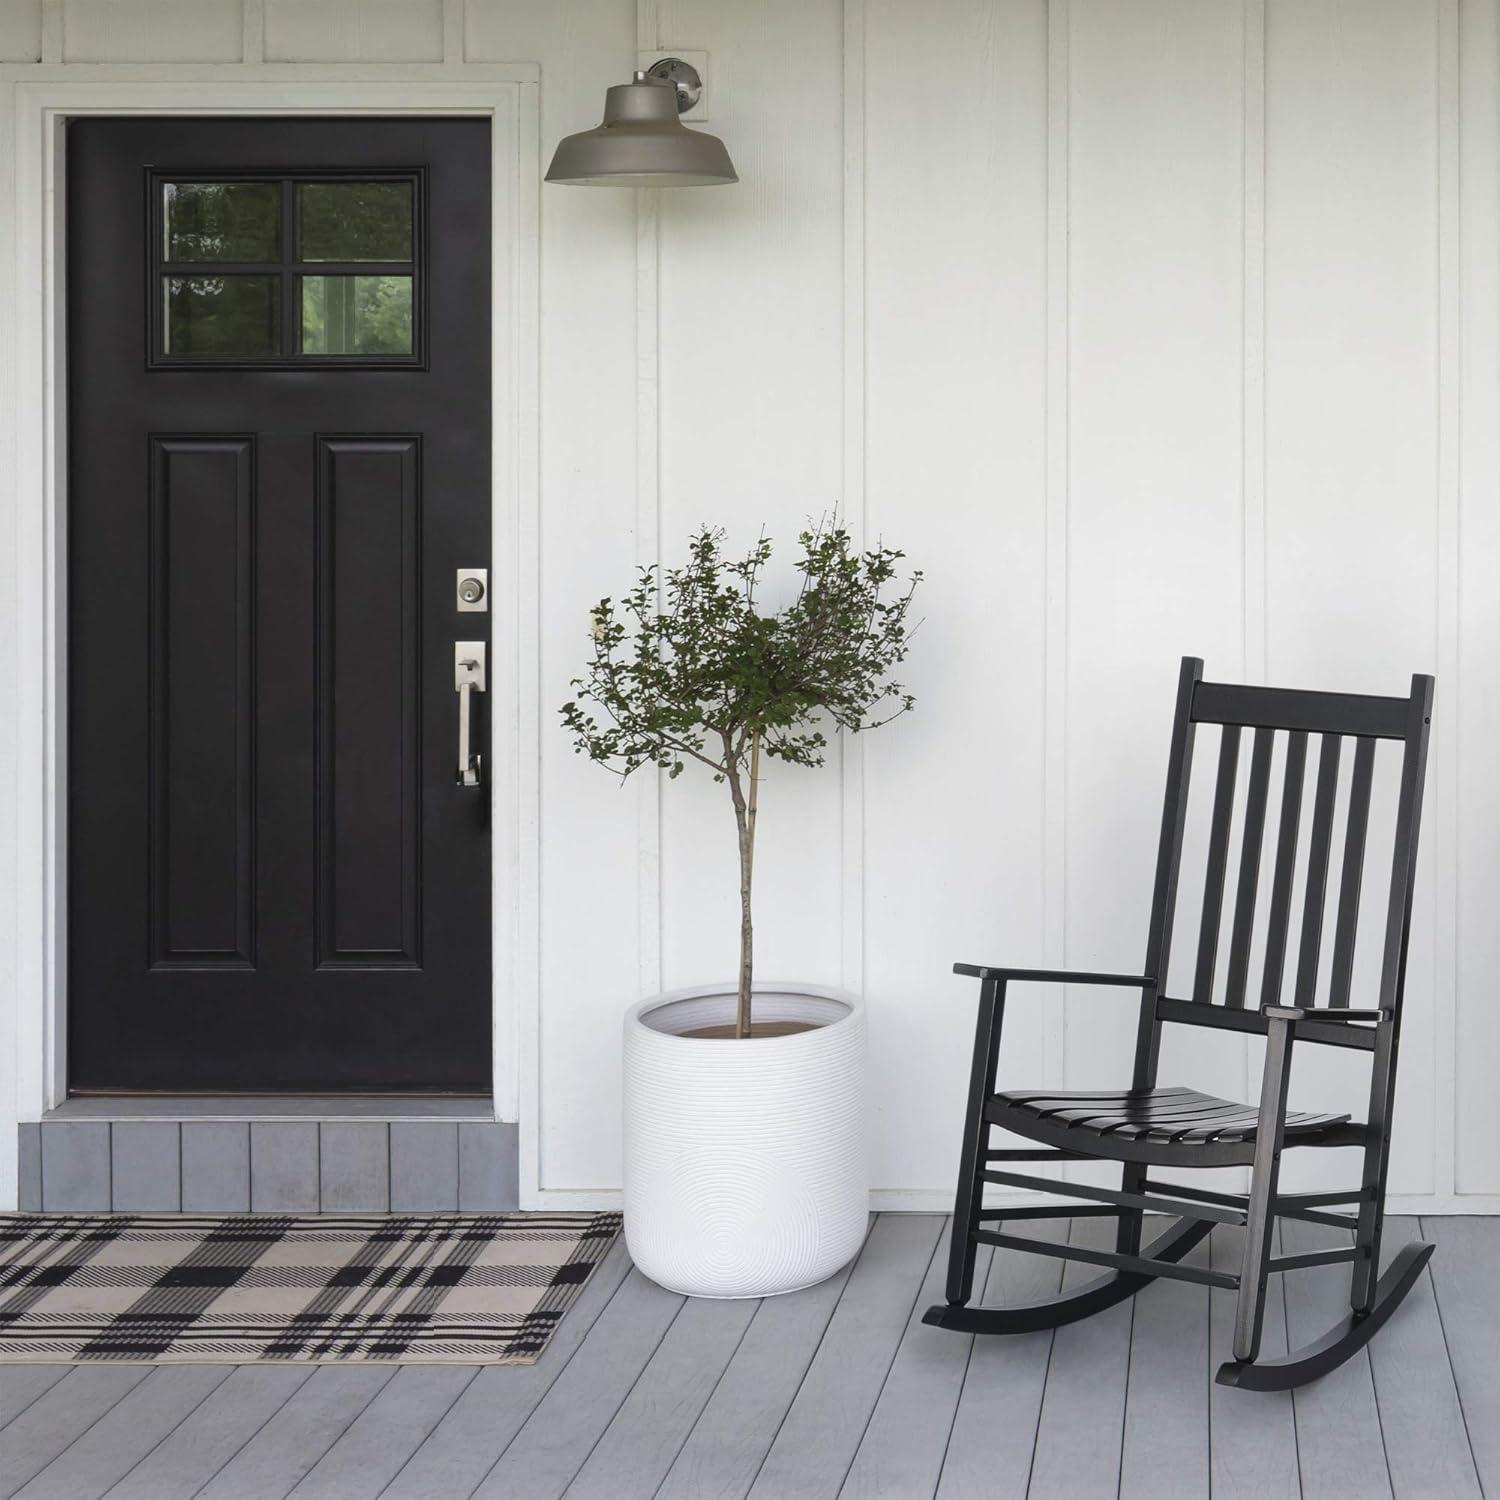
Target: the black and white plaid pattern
(231, 1288)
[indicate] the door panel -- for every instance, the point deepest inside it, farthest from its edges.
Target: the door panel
(202, 793)
(369, 762)
(275, 881)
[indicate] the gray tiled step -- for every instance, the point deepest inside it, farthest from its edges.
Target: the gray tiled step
(291, 1164)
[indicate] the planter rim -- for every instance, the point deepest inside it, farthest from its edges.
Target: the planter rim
(853, 1006)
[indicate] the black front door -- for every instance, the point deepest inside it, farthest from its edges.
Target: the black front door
(278, 473)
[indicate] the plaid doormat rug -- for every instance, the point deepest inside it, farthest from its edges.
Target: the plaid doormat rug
(446, 1288)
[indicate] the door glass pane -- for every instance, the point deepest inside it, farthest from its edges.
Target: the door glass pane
(225, 315)
(221, 220)
(356, 315)
(354, 220)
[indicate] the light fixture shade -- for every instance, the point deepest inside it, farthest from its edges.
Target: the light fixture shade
(641, 143)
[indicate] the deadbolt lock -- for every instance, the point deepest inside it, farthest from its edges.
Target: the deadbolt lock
(473, 590)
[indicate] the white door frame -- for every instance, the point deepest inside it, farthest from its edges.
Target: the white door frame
(33, 451)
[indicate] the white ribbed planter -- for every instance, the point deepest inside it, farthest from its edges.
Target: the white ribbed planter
(745, 1170)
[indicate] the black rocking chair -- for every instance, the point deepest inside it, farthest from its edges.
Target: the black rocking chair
(1146, 1126)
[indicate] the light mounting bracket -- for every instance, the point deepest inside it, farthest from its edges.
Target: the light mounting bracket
(682, 76)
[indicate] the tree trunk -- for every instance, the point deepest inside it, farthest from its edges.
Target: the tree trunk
(744, 813)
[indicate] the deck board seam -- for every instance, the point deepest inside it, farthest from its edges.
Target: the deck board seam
(542, 1396)
(1125, 1399)
(44, 1391)
(629, 1391)
(959, 1399)
(1286, 1328)
(134, 1385)
(250, 1437)
(1041, 1405)
(228, 1371)
(891, 1365)
(337, 1437)
(813, 1359)
(713, 1390)
(1458, 1392)
(1385, 1452)
(441, 1417)
(1208, 1376)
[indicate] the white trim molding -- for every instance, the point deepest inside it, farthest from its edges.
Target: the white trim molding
(32, 569)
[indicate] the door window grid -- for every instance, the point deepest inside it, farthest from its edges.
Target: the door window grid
(360, 313)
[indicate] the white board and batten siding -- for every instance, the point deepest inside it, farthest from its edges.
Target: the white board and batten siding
(1147, 327)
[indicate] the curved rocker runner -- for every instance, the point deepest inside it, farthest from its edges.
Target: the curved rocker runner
(1148, 1126)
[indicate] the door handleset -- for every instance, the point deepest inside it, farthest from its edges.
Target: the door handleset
(468, 679)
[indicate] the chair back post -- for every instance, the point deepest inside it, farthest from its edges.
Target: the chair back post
(1404, 856)
(1392, 992)
(1168, 865)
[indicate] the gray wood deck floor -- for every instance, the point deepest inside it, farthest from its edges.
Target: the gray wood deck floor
(837, 1390)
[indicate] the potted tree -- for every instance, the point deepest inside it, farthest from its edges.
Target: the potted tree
(744, 1103)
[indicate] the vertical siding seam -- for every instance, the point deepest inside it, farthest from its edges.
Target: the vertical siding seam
(53, 44)
(855, 491)
(1253, 375)
(1253, 337)
(648, 527)
(455, 43)
(1055, 633)
(253, 31)
(1447, 600)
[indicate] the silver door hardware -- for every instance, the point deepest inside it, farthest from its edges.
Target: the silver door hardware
(473, 590)
(468, 679)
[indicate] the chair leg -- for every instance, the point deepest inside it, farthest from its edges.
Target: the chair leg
(968, 1199)
(1260, 1221)
(1128, 1231)
(1367, 1234)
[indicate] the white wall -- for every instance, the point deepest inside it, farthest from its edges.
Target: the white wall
(1146, 327)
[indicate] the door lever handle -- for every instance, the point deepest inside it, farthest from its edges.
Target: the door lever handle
(468, 679)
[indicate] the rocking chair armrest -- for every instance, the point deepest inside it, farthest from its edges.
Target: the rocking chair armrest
(1323, 1013)
(1053, 976)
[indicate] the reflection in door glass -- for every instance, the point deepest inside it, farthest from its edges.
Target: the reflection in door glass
(346, 221)
(237, 221)
(356, 315)
(222, 315)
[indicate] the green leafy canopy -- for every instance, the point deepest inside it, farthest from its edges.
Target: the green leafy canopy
(686, 667)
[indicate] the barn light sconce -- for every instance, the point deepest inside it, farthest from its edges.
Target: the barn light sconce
(641, 142)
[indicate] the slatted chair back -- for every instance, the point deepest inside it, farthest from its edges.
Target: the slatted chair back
(1297, 944)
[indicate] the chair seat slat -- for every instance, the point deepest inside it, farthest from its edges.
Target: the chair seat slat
(1019, 1097)
(1176, 1114)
